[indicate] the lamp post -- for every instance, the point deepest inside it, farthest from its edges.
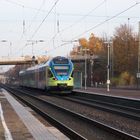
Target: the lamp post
(85, 50)
(91, 70)
(34, 42)
(108, 62)
(108, 67)
(138, 72)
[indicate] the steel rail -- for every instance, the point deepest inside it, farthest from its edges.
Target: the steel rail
(128, 112)
(65, 129)
(132, 105)
(117, 109)
(105, 127)
(129, 102)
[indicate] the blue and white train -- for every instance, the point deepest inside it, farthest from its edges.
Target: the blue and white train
(53, 75)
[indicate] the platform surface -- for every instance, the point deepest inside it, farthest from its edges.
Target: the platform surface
(21, 124)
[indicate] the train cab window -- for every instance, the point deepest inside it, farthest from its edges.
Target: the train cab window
(50, 73)
(61, 70)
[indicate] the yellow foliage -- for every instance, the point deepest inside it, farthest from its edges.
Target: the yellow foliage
(95, 45)
(83, 42)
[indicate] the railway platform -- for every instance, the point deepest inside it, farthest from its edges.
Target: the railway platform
(125, 93)
(18, 122)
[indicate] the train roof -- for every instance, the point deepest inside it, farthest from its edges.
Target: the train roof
(42, 65)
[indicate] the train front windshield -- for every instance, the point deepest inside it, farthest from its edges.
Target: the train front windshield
(61, 70)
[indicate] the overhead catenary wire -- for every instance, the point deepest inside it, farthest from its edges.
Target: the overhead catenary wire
(23, 22)
(58, 47)
(25, 6)
(28, 28)
(79, 20)
(101, 23)
(61, 14)
(40, 8)
(15, 3)
(84, 16)
(44, 19)
(40, 24)
(23, 26)
(95, 25)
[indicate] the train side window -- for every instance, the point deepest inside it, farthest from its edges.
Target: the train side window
(41, 75)
(50, 73)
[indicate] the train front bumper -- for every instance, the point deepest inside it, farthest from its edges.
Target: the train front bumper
(61, 84)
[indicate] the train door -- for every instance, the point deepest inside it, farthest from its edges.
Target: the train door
(49, 75)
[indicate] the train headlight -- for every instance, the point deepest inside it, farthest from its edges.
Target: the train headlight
(54, 78)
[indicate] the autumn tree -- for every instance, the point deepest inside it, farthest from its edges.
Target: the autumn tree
(125, 50)
(83, 42)
(93, 44)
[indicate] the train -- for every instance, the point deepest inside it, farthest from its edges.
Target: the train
(54, 75)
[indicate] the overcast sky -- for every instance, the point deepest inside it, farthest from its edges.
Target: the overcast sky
(23, 23)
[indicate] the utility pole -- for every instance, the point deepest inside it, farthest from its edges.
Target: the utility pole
(139, 51)
(85, 69)
(34, 42)
(108, 67)
(85, 50)
(138, 73)
(91, 70)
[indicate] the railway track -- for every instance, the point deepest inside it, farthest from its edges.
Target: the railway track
(114, 100)
(34, 103)
(128, 108)
(131, 109)
(72, 119)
